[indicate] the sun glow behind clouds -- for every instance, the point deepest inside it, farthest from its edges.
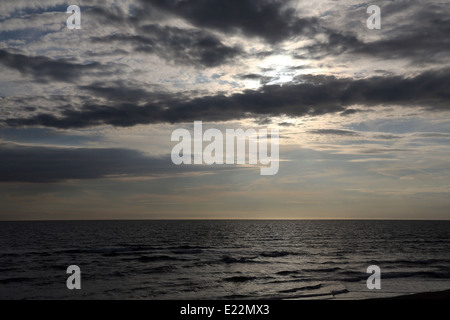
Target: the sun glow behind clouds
(131, 77)
(278, 69)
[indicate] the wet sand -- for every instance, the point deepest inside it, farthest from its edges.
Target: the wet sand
(438, 295)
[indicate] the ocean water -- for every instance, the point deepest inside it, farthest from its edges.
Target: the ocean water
(233, 259)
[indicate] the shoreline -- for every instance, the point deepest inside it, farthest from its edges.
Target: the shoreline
(432, 295)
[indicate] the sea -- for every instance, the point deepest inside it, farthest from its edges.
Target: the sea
(223, 259)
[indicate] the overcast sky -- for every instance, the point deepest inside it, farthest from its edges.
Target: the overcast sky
(86, 115)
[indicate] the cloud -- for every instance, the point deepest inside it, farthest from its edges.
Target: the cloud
(434, 135)
(46, 164)
(249, 76)
(317, 95)
(419, 37)
(334, 132)
(46, 69)
(383, 150)
(353, 111)
(125, 91)
(272, 21)
(286, 124)
(181, 46)
(411, 31)
(407, 27)
(386, 136)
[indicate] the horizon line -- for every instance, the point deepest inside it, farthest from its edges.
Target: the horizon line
(229, 219)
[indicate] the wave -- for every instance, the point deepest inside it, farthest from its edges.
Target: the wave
(292, 280)
(336, 292)
(228, 259)
(288, 272)
(118, 274)
(353, 276)
(314, 287)
(405, 262)
(304, 296)
(243, 278)
(236, 297)
(161, 269)
(153, 258)
(313, 295)
(13, 280)
(360, 276)
(114, 250)
(275, 254)
(334, 269)
(422, 274)
(239, 279)
(13, 255)
(187, 251)
(186, 247)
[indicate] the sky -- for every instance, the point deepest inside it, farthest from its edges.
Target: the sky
(86, 115)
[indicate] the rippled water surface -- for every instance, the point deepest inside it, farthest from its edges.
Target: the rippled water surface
(222, 259)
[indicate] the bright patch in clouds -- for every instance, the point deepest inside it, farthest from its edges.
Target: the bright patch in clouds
(87, 114)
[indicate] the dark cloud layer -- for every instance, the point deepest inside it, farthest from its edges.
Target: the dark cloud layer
(420, 36)
(270, 20)
(181, 46)
(45, 164)
(46, 69)
(317, 95)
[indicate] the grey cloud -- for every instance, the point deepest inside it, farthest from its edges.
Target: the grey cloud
(386, 136)
(382, 150)
(424, 38)
(320, 95)
(249, 76)
(181, 46)
(117, 52)
(434, 135)
(337, 43)
(420, 36)
(263, 121)
(286, 124)
(46, 165)
(45, 69)
(271, 20)
(125, 91)
(263, 80)
(353, 111)
(334, 132)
